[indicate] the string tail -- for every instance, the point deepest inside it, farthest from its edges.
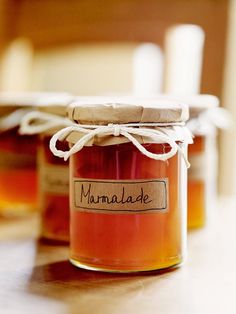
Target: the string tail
(36, 122)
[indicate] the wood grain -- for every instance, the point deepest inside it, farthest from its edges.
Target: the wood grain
(37, 278)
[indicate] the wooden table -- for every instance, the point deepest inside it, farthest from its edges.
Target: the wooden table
(36, 278)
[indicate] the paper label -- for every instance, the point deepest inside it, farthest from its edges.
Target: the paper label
(120, 196)
(198, 169)
(55, 179)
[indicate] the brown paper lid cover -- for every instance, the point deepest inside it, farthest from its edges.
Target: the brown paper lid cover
(122, 110)
(197, 103)
(11, 101)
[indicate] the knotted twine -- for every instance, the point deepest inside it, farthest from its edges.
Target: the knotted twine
(161, 134)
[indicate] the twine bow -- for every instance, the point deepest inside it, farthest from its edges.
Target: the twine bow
(159, 135)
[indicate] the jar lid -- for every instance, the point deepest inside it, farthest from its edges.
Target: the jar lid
(55, 103)
(122, 110)
(11, 101)
(197, 103)
(17, 108)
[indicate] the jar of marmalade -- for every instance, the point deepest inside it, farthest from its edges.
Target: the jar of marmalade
(205, 118)
(18, 175)
(49, 115)
(127, 183)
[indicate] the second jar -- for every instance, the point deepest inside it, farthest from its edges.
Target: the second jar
(53, 172)
(203, 157)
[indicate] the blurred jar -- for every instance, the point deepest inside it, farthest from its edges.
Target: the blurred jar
(18, 176)
(127, 183)
(205, 118)
(50, 114)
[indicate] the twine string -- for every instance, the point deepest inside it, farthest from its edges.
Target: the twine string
(126, 130)
(36, 122)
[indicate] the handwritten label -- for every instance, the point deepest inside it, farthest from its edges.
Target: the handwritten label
(55, 179)
(121, 196)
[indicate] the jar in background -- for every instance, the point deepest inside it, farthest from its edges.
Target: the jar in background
(54, 192)
(18, 176)
(127, 183)
(203, 157)
(50, 114)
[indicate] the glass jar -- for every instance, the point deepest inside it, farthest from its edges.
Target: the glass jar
(124, 241)
(203, 157)
(50, 114)
(128, 210)
(54, 192)
(18, 175)
(196, 184)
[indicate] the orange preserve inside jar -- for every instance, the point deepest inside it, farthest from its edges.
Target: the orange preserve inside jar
(18, 176)
(202, 175)
(50, 115)
(196, 186)
(128, 210)
(54, 191)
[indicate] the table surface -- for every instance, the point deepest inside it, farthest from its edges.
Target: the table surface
(37, 278)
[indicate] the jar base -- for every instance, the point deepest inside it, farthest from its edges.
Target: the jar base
(176, 263)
